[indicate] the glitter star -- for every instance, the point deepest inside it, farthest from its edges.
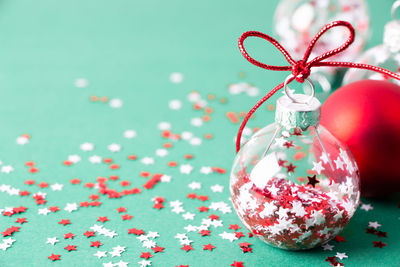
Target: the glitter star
(194, 185)
(312, 180)
(339, 163)
(57, 187)
(366, 207)
(52, 240)
(217, 188)
(188, 216)
(100, 254)
(374, 225)
(205, 170)
(71, 207)
(114, 147)
(54, 257)
(186, 168)
(318, 167)
(228, 236)
(327, 247)
(95, 159)
(341, 255)
(87, 146)
(130, 134)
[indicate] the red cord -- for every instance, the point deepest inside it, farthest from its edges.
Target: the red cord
(301, 69)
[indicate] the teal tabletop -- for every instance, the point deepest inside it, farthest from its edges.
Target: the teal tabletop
(142, 100)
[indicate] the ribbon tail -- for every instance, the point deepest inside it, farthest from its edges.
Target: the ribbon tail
(251, 112)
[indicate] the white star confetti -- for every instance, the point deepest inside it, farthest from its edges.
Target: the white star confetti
(175, 104)
(374, 225)
(186, 168)
(366, 207)
(129, 134)
(52, 240)
(194, 185)
(217, 188)
(176, 77)
(115, 103)
(71, 207)
(114, 147)
(95, 159)
(87, 146)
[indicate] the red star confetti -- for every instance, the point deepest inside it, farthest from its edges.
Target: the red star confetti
(136, 231)
(95, 244)
(21, 220)
(103, 219)
(126, 217)
(64, 222)
(208, 247)
(187, 248)
(379, 244)
(69, 235)
(234, 227)
(89, 233)
(70, 248)
(146, 255)
(339, 239)
(157, 249)
(121, 209)
(54, 257)
(237, 264)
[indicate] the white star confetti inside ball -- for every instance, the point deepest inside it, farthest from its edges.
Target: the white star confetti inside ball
(115, 103)
(176, 77)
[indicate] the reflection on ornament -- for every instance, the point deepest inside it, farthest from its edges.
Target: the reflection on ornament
(293, 184)
(386, 55)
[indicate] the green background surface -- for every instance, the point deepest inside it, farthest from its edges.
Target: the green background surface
(127, 49)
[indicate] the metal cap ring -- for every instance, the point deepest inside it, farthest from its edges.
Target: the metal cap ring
(287, 92)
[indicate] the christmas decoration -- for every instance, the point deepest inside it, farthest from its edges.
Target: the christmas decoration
(285, 184)
(293, 184)
(366, 116)
(386, 55)
(296, 21)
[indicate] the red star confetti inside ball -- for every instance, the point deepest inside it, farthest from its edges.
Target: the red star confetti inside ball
(288, 201)
(366, 116)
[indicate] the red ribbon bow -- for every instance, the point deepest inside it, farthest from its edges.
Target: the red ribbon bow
(301, 69)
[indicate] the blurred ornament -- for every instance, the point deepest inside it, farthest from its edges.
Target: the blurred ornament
(386, 55)
(366, 116)
(286, 183)
(297, 21)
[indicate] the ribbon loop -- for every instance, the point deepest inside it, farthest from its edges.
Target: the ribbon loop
(332, 52)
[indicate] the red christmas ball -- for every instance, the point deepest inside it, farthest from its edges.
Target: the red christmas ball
(366, 116)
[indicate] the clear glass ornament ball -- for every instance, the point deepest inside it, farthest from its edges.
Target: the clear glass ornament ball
(294, 188)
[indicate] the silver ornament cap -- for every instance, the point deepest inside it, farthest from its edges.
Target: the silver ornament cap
(298, 110)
